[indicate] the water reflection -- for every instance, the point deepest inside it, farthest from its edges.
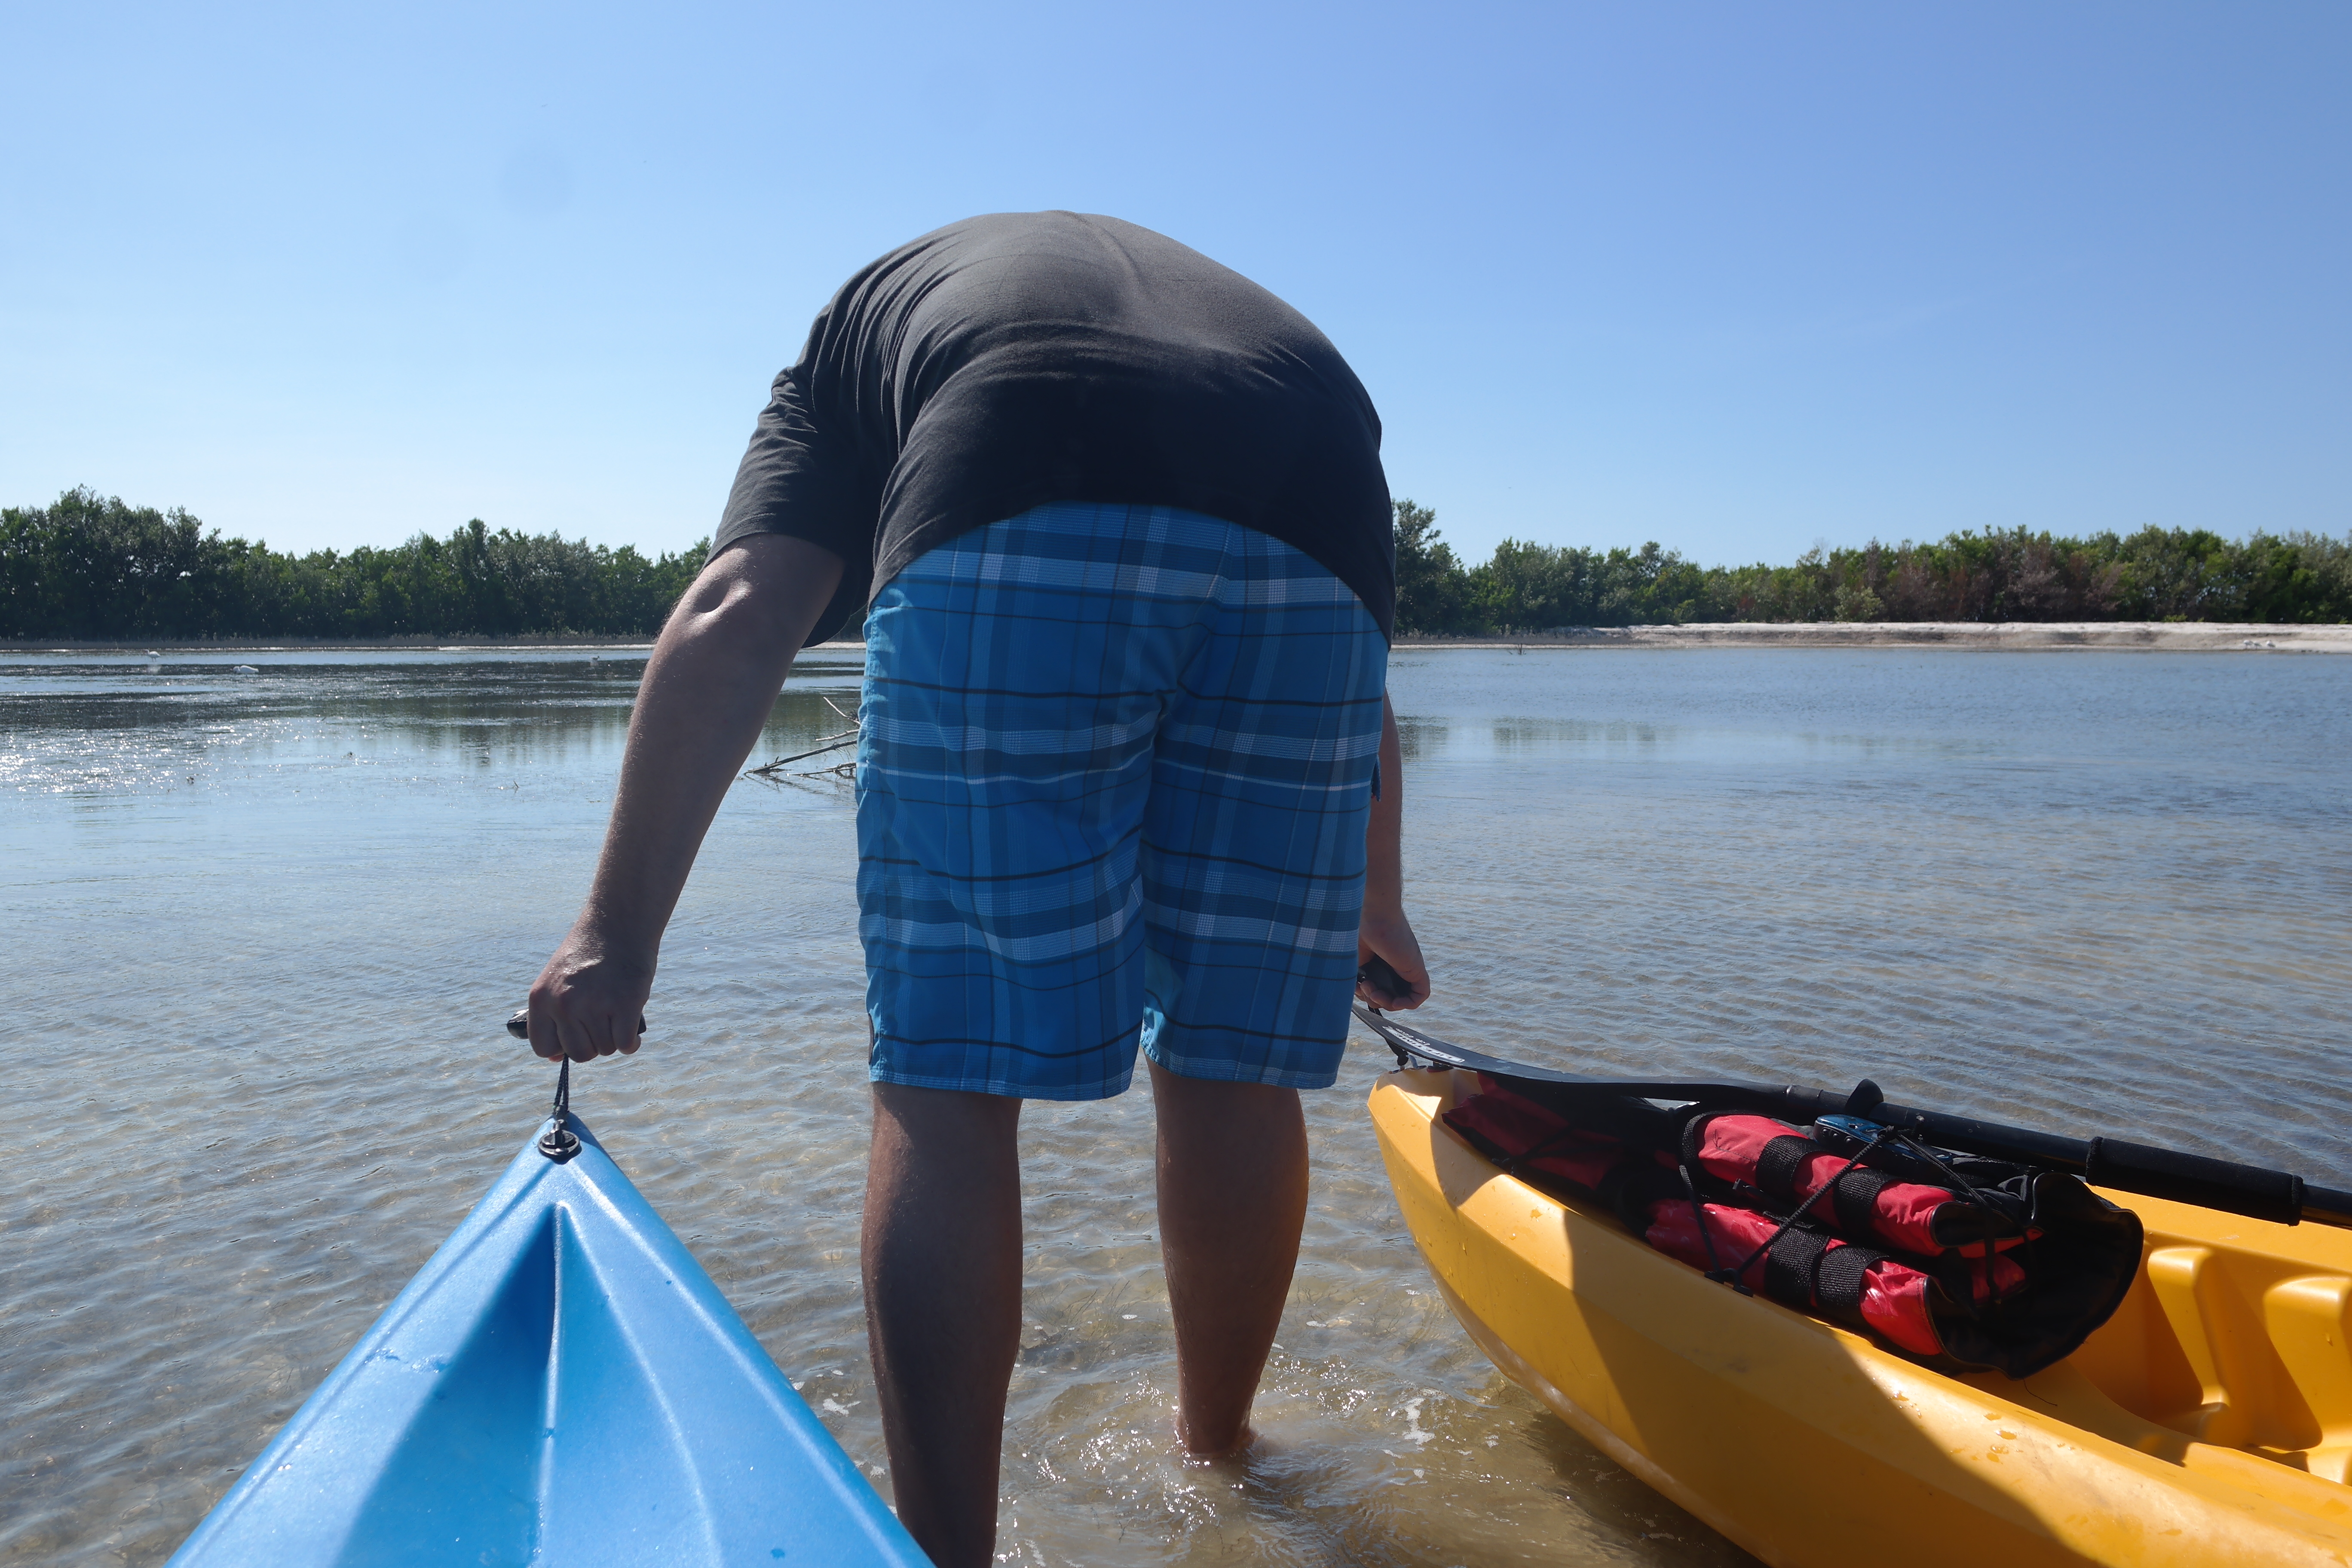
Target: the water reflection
(73, 726)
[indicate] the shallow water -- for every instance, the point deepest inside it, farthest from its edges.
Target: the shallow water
(262, 927)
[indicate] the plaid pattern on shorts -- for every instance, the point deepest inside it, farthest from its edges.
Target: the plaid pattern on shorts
(1112, 786)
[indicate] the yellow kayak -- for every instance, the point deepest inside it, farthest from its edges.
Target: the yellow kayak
(2208, 1423)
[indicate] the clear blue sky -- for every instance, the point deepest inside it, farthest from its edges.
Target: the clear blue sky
(1736, 277)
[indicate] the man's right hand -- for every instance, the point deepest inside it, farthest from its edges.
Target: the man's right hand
(588, 1002)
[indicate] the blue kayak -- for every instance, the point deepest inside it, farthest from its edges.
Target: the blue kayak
(561, 1384)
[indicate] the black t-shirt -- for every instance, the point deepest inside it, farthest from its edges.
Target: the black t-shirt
(1004, 361)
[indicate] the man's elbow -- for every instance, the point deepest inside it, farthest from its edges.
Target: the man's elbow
(766, 587)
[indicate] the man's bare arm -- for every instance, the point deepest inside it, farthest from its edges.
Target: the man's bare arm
(708, 689)
(1385, 931)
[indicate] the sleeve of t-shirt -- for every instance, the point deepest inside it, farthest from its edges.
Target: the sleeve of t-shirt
(800, 480)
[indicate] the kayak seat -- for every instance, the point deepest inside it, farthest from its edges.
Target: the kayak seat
(2235, 1346)
(2310, 1322)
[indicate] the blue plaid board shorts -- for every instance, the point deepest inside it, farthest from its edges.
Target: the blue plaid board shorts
(1113, 773)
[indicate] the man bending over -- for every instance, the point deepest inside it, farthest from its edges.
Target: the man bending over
(1116, 522)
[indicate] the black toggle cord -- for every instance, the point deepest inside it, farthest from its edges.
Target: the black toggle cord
(559, 1142)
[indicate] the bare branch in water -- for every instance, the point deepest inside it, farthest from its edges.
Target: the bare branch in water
(832, 743)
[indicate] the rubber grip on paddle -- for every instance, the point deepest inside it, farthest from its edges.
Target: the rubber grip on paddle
(520, 1024)
(2193, 1179)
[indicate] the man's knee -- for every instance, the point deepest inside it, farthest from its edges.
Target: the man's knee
(1218, 1112)
(946, 1121)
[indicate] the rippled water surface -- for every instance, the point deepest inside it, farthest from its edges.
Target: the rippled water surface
(261, 925)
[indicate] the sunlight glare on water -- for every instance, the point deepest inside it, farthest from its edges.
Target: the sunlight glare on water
(263, 924)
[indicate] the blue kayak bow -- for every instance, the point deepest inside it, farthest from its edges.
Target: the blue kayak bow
(560, 1383)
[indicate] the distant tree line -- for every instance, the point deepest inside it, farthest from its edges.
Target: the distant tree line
(91, 568)
(2155, 574)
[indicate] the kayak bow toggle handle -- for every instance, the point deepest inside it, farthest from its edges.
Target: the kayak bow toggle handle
(518, 1026)
(559, 1142)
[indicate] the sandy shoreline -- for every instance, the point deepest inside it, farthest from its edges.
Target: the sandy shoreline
(2162, 637)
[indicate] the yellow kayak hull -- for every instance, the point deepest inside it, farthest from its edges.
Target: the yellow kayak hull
(2209, 1423)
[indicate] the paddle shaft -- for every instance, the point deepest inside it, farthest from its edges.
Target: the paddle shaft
(2111, 1162)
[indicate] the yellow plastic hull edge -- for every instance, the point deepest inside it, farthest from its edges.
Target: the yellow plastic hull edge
(1794, 1439)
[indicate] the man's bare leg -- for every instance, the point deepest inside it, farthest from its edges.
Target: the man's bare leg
(942, 1267)
(1233, 1201)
